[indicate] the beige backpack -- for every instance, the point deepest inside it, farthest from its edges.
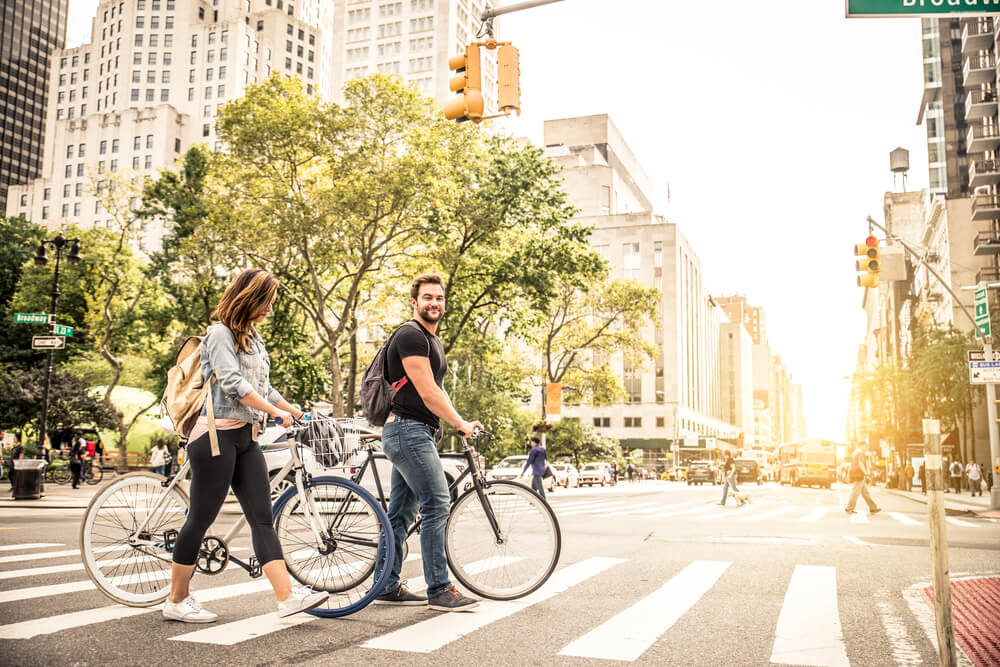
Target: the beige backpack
(187, 391)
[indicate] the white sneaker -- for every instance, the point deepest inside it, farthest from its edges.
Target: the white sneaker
(303, 598)
(188, 611)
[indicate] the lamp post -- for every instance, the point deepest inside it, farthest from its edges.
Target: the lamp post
(41, 259)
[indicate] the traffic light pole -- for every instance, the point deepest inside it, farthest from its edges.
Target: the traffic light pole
(991, 406)
(489, 14)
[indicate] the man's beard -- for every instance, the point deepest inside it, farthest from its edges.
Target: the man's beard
(428, 316)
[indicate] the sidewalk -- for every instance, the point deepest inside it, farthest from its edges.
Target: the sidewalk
(955, 502)
(55, 496)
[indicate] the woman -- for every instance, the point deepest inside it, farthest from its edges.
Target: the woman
(159, 457)
(77, 450)
(242, 396)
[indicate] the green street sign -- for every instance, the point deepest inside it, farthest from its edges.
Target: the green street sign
(63, 330)
(31, 318)
(982, 311)
(876, 8)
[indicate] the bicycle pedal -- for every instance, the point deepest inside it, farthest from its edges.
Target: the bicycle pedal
(169, 539)
(255, 571)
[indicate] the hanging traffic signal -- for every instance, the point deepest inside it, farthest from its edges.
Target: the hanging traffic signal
(508, 79)
(467, 82)
(870, 262)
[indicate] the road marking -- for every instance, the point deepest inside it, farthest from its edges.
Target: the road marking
(851, 538)
(593, 510)
(78, 619)
(902, 518)
(632, 509)
(629, 634)
(904, 651)
(71, 587)
(958, 522)
(33, 545)
(767, 515)
(858, 517)
(439, 631)
(72, 567)
(664, 508)
(815, 515)
(681, 512)
(808, 631)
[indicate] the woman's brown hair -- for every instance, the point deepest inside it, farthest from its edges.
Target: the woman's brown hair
(246, 298)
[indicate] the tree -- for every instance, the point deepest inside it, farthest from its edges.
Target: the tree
(19, 240)
(570, 437)
(329, 198)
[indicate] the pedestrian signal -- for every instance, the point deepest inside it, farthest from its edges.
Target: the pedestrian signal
(467, 82)
(870, 262)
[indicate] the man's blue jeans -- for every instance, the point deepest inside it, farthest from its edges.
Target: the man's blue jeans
(418, 481)
(537, 485)
(730, 481)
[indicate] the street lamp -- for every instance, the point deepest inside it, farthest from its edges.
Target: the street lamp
(41, 260)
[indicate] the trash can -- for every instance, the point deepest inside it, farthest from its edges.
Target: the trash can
(28, 474)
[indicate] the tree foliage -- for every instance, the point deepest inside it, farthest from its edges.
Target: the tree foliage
(573, 438)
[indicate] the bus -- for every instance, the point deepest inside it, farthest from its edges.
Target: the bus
(808, 463)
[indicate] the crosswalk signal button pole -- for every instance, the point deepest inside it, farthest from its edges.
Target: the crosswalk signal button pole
(870, 262)
(467, 82)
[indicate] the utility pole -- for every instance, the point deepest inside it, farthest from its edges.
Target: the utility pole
(947, 655)
(991, 405)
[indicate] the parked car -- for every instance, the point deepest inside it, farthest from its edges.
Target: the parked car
(566, 475)
(700, 472)
(510, 469)
(747, 470)
(274, 443)
(596, 473)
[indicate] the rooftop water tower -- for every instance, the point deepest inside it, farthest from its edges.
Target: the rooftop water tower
(899, 163)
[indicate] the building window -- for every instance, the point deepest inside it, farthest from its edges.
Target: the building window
(65, 210)
(177, 145)
(421, 24)
(151, 76)
(45, 213)
(630, 261)
(137, 143)
(149, 162)
(138, 39)
(165, 76)
(47, 194)
(149, 141)
(69, 150)
(632, 381)
(164, 94)
(205, 130)
(114, 165)
(150, 95)
(78, 189)
(136, 58)
(169, 23)
(81, 150)
(67, 190)
(633, 422)
(135, 95)
(114, 145)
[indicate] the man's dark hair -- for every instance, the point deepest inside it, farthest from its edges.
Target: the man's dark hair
(535, 439)
(425, 279)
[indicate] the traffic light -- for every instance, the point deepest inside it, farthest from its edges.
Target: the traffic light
(467, 82)
(870, 262)
(508, 79)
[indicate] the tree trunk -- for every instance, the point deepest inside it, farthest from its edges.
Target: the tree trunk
(337, 376)
(352, 370)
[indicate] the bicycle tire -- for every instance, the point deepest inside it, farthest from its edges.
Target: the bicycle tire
(358, 526)
(113, 513)
(526, 558)
(94, 475)
(62, 475)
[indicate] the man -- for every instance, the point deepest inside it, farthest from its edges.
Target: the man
(536, 461)
(858, 475)
(416, 364)
(955, 469)
(975, 476)
(16, 452)
(922, 474)
(729, 474)
(908, 477)
(629, 472)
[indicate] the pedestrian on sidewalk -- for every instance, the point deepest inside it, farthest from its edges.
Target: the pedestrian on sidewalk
(729, 473)
(77, 450)
(975, 476)
(630, 472)
(536, 461)
(858, 475)
(956, 476)
(908, 477)
(159, 457)
(16, 452)
(922, 474)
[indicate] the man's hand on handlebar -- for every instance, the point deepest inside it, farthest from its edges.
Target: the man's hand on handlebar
(470, 429)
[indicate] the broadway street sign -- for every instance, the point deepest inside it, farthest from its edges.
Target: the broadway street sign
(31, 318)
(875, 8)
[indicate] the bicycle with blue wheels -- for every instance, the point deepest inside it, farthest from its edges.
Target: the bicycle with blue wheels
(330, 529)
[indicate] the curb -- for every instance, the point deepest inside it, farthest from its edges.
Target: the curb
(963, 509)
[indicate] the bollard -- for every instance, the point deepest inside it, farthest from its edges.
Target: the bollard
(947, 654)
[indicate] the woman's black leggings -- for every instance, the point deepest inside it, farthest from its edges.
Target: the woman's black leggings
(240, 463)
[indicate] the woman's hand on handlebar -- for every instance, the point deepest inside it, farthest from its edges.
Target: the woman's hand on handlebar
(283, 418)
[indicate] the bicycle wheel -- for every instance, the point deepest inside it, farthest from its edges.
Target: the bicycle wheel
(525, 557)
(95, 474)
(134, 575)
(354, 526)
(62, 475)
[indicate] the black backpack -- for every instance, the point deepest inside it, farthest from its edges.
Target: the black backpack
(377, 393)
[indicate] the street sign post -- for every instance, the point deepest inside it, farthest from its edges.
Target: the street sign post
(48, 342)
(62, 330)
(984, 372)
(982, 311)
(904, 8)
(31, 318)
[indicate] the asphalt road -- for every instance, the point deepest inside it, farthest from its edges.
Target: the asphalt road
(653, 573)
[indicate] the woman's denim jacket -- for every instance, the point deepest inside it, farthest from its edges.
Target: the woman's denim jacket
(236, 373)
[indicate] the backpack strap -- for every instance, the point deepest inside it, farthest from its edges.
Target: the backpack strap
(213, 434)
(401, 382)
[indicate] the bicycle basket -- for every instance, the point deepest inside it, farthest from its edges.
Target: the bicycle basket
(333, 442)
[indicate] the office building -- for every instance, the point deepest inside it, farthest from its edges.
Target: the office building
(29, 33)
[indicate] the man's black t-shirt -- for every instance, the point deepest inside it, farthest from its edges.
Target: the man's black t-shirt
(409, 341)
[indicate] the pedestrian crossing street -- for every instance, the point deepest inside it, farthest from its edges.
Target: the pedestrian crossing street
(807, 630)
(761, 508)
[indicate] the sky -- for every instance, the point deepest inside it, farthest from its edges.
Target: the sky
(772, 123)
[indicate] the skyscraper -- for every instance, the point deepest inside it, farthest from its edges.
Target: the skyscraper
(29, 33)
(148, 85)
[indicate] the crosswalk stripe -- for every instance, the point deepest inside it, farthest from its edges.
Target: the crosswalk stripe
(767, 515)
(815, 515)
(71, 587)
(902, 518)
(592, 510)
(33, 545)
(439, 631)
(73, 567)
(679, 512)
(631, 509)
(629, 634)
(78, 619)
(664, 508)
(859, 517)
(42, 555)
(808, 631)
